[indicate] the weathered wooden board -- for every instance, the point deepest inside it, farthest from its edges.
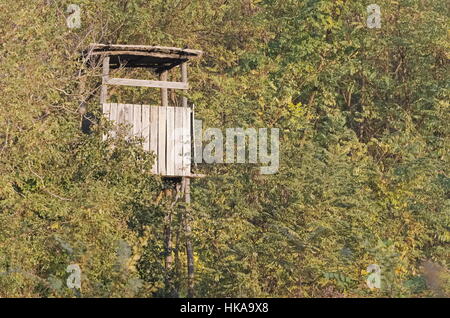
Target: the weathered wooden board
(170, 131)
(186, 141)
(129, 121)
(113, 117)
(154, 135)
(161, 154)
(179, 141)
(162, 140)
(145, 126)
(137, 121)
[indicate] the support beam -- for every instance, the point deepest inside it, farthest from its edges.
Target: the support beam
(146, 83)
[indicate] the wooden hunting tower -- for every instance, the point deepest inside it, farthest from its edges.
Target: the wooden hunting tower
(166, 130)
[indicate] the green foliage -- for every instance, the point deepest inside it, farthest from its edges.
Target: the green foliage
(363, 178)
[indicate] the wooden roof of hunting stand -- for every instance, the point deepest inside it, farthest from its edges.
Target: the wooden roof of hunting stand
(159, 58)
(166, 130)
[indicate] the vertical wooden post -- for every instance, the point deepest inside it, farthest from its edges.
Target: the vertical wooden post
(188, 234)
(81, 88)
(168, 235)
(164, 92)
(187, 215)
(184, 79)
(168, 247)
(105, 77)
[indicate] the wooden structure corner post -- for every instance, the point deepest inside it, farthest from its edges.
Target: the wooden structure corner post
(187, 217)
(184, 79)
(188, 235)
(164, 91)
(105, 77)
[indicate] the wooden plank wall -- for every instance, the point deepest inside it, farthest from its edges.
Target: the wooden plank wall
(166, 131)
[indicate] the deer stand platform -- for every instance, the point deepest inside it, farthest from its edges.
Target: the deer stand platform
(166, 130)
